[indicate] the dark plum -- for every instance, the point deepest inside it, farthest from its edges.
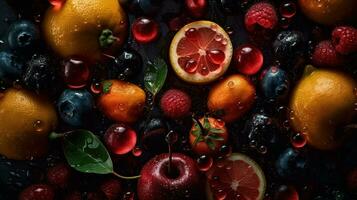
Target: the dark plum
(75, 106)
(23, 35)
(40, 74)
(11, 66)
(292, 165)
(153, 135)
(128, 63)
(275, 83)
(288, 46)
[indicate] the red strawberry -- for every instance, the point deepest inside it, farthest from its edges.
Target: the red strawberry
(59, 175)
(261, 15)
(325, 55)
(37, 192)
(111, 188)
(344, 38)
(175, 103)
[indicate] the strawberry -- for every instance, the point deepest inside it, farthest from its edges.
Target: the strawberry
(325, 55)
(59, 175)
(261, 15)
(175, 104)
(344, 38)
(37, 192)
(111, 188)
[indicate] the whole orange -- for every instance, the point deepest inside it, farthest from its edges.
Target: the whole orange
(329, 12)
(26, 119)
(85, 28)
(122, 101)
(232, 97)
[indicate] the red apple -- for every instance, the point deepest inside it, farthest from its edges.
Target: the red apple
(184, 181)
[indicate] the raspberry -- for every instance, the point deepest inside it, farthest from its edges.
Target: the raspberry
(325, 55)
(37, 192)
(59, 175)
(261, 15)
(175, 104)
(111, 188)
(344, 38)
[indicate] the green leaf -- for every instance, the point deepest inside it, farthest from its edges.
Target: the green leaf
(86, 153)
(197, 140)
(216, 130)
(211, 144)
(106, 86)
(155, 76)
(215, 137)
(206, 124)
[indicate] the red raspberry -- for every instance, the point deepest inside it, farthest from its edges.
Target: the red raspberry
(325, 55)
(37, 192)
(175, 103)
(344, 38)
(261, 15)
(111, 188)
(59, 175)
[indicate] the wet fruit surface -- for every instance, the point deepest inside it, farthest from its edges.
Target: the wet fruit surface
(120, 138)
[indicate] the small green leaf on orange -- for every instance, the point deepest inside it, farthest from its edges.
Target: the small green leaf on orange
(106, 86)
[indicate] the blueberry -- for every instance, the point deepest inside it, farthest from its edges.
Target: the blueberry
(288, 45)
(229, 6)
(11, 66)
(23, 35)
(292, 165)
(75, 106)
(40, 74)
(153, 134)
(128, 63)
(275, 83)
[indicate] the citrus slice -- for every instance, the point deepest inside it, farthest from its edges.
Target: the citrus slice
(200, 52)
(237, 178)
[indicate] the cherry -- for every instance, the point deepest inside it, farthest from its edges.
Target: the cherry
(75, 73)
(288, 9)
(204, 163)
(285, 192)
(248, 59)
(120, 139)
(298, 140)
(145, 30)
(196, 8)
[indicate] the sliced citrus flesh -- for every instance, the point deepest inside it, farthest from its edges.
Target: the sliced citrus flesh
(236, 178)
(201, 52)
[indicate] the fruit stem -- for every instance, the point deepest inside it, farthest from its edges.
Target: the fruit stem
(169, 142)
(54, 135)
(204, 131)
(106, 38)
(125, 177)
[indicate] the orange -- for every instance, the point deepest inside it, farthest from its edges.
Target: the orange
(75, 29)
(200, 52)
(321, 102)
(329, 12)
(26, 119)
(122, 101)
(232, 97)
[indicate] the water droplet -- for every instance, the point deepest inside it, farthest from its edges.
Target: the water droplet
(96, 88)
(191, 66)
(288, 9)
(137, 151)
(263, 149)
(191, 33)
(218, 37)
(253, 143)
(204, 163)
(220, 162)
(225, 150)
(145, 30)
(298, 140)
(230, 84)
(38, 125)
(129, 196)
(216, 56)
(220, 195)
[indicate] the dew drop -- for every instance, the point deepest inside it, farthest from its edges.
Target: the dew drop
(137, 151)
(216, 56)
(38, 125)
(298, 140)
(96, 88)
(230, 84)
(191, 66)
(220, 195)
(204, 163)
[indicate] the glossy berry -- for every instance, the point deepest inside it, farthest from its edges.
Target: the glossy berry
(344, 39)
(75, 73)
(37, 192)
(260, 16)
(229, 6)
(292, 165)
(75, 107)
(175, 103)
(153, 135)
(288, 9)
(145, 30)
(275, 83)
(11, 66)
(120, 139)
(248, 59)
(59, 175)
(40, 74)
(325, 55)
(111, 188)
(128, 63)
(288, 45)
(23, 35)
(196, 8)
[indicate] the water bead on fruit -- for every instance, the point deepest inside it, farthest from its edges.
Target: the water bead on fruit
(288, 9)
(204, 163)
(145, 30)
(120, 139)
(75, 73)
(137, 151)
(96, 87)
(248, 59)
(298, 140)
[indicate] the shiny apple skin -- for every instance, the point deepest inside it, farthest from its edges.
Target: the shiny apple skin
(329, 12)
(154, 183)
